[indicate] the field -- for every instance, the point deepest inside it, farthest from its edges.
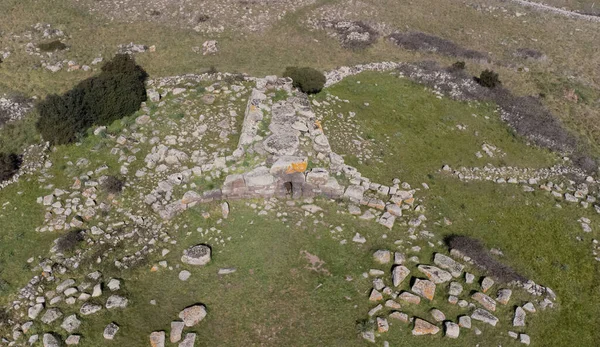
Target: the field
(301, 277)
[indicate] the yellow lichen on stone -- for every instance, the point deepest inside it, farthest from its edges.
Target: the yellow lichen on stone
(297, 167)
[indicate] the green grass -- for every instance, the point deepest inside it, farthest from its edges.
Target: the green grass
(539, 241)
(412, 133)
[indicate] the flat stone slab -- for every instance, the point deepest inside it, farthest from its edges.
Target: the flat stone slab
(424, 288)
(484, 316)
(193, 315)
(445, 262)
(423, 327)
(435, 274)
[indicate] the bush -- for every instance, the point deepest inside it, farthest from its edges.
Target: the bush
(9, 165)
(307, 79)
(488, 79)
(116, 92)
(69, 241)
(459, 65)
(113, 184)
(51, 46)
(474, 249)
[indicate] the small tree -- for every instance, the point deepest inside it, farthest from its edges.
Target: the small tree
(307, 79)
(9, 165)
(116, 92)
(488, 79)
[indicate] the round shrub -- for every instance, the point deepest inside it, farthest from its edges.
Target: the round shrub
(9, 165)
(116, 92)
(307, 79)
(488, 79)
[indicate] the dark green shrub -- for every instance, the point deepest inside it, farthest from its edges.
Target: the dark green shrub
(116, 92)
(69, 241)
(51, 46)
(488, 79)
(307, 79)
(9, 165)
(459, 65)
(113, 184)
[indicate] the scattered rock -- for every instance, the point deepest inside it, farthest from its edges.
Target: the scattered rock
(452, 330)
(424, 288)
(438, 315)
(423, 327)
(110, 331)
(157, 339)
(50, 340)
(51, 315)
(382, 256)
(176, 331)
(436, 275)
(193, 315)
(519, 319)
(71, 324)
(484, 316)
(184, 275)
(399, 274)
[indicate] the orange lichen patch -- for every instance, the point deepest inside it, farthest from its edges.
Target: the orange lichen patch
(318, 125)
(297, 167)
(154, 268)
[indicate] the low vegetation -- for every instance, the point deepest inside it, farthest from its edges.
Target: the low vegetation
(307, 79)
(9, 165)
(475, 250)
(116, 92)
(52, 46)
(418, 41)
(488, 79)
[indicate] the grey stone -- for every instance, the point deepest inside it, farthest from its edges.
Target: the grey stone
(424, 288)
(116, 301)
(445, 262)
(437, 315)
(71, 324)
(529, 307)
(89, 308)
(525, 339)
(435, 274)
(110, 331)
(184, 275)
(114, 284)
(452, 330)
(469, 278)
(197, 255)
(519, 319)
(176, 331)
(485, 301)
(188, 341)
(35, 310)
(64, 285)
(157, 339)
(464, 322)
(503, 296)
(382, 256)
(73, 340)
(50, 340)
(455, 288)
(51, 315)
(193, 315)
(486, 284)
(484, 316)
(423, 327)
(399, 274)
